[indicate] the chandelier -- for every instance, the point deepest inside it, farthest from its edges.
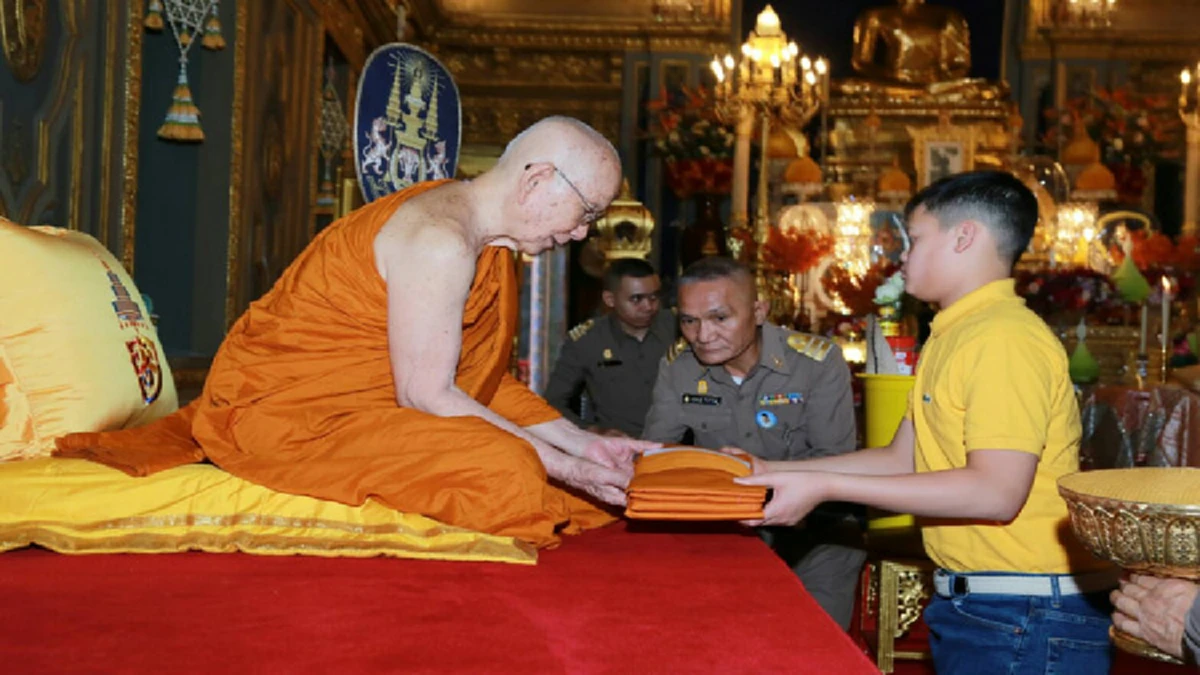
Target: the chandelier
(768, 81)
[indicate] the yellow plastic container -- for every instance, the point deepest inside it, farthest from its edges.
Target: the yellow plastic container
(885, 398)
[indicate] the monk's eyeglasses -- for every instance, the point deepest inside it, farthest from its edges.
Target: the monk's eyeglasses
(591, 213)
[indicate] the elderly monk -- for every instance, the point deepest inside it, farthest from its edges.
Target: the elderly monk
(377, 365)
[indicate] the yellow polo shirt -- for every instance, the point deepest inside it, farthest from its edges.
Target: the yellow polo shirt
(993, 377)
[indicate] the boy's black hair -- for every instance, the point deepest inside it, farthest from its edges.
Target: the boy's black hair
(995, 198)
(626, 267)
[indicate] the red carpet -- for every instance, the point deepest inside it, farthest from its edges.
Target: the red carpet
(610, 601)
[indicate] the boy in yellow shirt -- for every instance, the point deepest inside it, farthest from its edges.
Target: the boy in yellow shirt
(992, 424)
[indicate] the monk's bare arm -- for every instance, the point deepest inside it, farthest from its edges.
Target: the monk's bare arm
(428, 270)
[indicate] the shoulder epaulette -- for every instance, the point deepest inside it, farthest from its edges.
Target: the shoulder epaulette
(814, 347)
(580, 330)
(681, 345)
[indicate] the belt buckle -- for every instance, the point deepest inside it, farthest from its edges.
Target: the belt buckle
(959, 585)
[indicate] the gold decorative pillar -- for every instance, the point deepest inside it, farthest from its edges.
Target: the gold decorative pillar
(1190, 114)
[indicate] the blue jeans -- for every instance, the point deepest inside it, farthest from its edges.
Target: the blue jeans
(1020, 634)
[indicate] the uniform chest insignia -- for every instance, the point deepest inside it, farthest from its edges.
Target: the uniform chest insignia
(607, 360)
(766, 419)
(814, 347)
(700, 399)
(702, 387)
(579, 331)
(790, 398)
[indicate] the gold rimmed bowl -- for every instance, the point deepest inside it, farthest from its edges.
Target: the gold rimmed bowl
(1147, 520)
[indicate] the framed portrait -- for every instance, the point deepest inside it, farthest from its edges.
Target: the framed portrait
(943, 150)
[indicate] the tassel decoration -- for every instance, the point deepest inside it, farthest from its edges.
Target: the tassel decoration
(183, 117)
(212, 32)
(154, 15)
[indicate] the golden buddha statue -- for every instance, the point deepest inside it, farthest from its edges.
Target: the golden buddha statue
(913, 50)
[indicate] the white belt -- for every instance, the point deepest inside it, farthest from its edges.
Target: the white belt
(949, 584)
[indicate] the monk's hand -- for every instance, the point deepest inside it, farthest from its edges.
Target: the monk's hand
(601, 482)
(616, 453)
(1154, 610)
(796, 494)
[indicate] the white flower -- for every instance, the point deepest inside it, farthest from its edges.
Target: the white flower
(889, 292)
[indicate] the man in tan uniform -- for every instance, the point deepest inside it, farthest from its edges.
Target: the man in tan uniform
(738, 381)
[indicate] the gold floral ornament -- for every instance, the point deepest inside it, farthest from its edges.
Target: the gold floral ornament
(186, 18)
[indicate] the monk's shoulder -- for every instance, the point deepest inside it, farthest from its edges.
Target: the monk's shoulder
(419, 234)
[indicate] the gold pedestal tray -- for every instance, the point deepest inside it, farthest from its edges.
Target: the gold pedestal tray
(1139, 647)
(1142, 519)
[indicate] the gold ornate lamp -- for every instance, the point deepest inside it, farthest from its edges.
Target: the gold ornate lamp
(851, 246)
(1074, 232)
(770, 80)
(627, 228)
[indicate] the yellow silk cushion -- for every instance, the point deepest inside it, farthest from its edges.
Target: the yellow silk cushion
(77, 349)
(77, 506)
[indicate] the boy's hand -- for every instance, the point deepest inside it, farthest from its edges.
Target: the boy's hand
(797, 493)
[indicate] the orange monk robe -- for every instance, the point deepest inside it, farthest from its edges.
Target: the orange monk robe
(300, 398)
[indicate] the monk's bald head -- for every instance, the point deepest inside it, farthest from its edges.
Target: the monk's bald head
(583, 154)
(719, 268)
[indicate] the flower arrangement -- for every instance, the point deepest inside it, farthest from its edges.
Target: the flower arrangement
(795, 251)
(698, 149)
(1130, 127)
(1071, 292)
(858, 294)
(1156, 250)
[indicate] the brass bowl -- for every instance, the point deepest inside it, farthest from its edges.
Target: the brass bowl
(1138, 518)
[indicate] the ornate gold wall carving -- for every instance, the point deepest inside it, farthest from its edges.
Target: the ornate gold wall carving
(275, 144)
(23, 33)
(495, 120)
(1143, 30)
(129, 153)
(506, 67)
(233, 269)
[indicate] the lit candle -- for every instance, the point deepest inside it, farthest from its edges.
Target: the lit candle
(1166, 313)
(1142, 332)
(1185, 78)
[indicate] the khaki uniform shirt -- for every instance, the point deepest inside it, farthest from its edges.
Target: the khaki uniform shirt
(617, 370)
(795, 404)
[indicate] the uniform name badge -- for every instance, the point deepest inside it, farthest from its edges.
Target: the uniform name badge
(701, 399)
(766, 419)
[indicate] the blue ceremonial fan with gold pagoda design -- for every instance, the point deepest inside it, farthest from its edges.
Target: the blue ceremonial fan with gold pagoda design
(407, 123)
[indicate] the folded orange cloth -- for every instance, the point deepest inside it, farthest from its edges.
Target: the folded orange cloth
(685, 483)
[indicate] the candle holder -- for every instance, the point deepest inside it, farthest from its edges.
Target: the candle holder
(1165, 367)
(771, 81)
(1142, 370)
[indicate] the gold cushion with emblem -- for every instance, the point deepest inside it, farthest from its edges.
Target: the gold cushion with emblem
(77, 349)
